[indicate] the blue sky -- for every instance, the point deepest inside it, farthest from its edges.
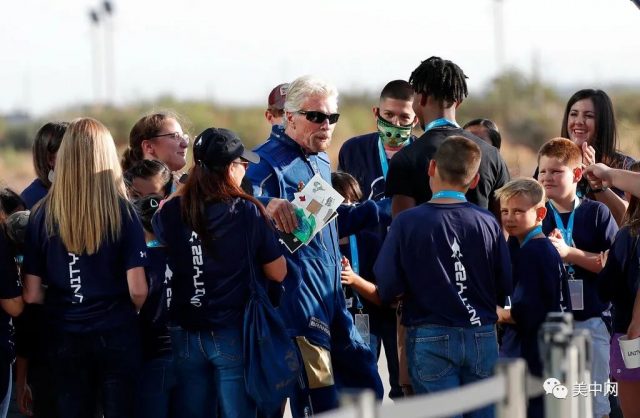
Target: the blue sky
(236, 51)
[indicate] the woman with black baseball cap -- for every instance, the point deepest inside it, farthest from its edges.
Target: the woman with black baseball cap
(213, 231)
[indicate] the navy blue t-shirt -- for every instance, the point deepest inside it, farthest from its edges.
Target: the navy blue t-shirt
(593, 230)
(356, 218)
(10, 287)
(210, 287)
(34, 193)
(618, 280)
(360, 157)
(451, 263)
(86, 293)
(154, 315)
(540, 286)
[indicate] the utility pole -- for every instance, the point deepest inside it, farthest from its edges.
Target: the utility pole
(94, 18)
(498, 34)
(109, 52)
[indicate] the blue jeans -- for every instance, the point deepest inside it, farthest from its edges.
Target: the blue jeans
(386, 333)
(600, 339)
(4, 405)
(156, 389)
(210, 365)
(85, 365)
(443, 358)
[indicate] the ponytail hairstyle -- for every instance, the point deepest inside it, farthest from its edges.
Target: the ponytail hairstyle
(145, 128)
(45, 146)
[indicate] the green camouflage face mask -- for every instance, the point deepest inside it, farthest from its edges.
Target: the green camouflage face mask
(393, 136)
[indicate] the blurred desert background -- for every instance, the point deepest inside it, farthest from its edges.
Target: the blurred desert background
(527, 111)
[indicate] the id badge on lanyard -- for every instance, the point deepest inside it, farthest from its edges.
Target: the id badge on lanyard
(362, 326)
(576, 287)
(576, 290)
(361, 319)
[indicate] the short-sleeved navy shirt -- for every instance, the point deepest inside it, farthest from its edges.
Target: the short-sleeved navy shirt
(154, 315)
(10, 287)
(360, 157)
(34, 193)
(451, 263)
(210, 287)
(593, 230)
(619, 279)
(86, 293)
(408, 168)
(540, 287)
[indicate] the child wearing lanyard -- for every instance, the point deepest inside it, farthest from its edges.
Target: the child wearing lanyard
(157, 382)
(539, 288)
(456, 250)
(360, 244)
(580, 229)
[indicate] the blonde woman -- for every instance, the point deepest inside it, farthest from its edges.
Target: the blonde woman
(84, 259)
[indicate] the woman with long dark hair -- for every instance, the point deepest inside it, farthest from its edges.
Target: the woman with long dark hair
(84, 260)
(216, 237)
(589, 121)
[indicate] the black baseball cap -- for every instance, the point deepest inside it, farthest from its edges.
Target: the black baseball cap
(217, 147)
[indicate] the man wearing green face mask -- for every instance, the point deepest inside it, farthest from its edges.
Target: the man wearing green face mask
(366, 157)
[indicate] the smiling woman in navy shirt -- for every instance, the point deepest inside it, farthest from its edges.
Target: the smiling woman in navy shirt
(84, 259)
(213, 231)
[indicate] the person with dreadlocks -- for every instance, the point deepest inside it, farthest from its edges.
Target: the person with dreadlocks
(439, 88)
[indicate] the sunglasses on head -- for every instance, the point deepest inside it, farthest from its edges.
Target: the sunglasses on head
(319, 117)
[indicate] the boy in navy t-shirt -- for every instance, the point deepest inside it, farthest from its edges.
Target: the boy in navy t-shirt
(449, 262)
(539, 277)
(580, 229)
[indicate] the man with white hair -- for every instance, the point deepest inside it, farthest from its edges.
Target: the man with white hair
(312, 304)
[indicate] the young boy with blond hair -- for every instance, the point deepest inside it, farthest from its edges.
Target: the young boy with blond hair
(579, 229)
(539, 277)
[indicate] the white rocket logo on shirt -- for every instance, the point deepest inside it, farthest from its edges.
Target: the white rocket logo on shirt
(456, 249)
(461, 278)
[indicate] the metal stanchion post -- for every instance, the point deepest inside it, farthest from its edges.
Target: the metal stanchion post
(514, 404)
(364, 401)
(582, 341)
(561, 363)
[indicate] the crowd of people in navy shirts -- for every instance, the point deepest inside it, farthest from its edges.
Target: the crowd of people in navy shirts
(125, 278)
